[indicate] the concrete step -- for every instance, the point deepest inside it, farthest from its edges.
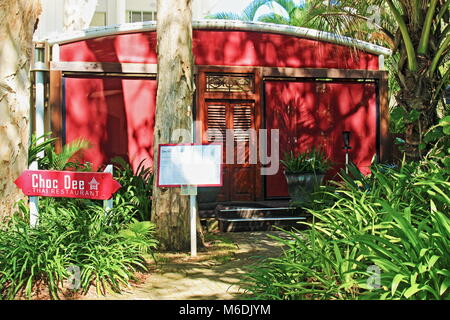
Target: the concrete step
(257, 219)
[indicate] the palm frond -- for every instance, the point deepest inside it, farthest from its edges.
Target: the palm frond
(225, 16)
(288, 5)
(273, 18)
(38, 145)
(68, 151)
(249, 12)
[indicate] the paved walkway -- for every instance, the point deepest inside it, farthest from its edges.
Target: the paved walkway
(214, 274)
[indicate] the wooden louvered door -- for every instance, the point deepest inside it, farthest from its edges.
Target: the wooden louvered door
(233, 123)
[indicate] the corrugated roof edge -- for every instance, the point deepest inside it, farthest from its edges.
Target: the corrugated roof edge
(96, 32)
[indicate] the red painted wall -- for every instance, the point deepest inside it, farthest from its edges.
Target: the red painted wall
(225, 48)
(310, 114)
(115, 114)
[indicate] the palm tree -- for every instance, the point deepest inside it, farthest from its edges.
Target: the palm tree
(294, 13)
(416, 30)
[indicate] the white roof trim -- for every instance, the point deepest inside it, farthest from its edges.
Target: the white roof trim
(222, 25)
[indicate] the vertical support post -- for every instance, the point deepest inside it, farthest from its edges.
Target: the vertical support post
(40, 96)
(108, 204)
(193, 219)
(191, 191)
(346, 161)
(193, 198)
(39, 68)
(34, 203)
(381, 64)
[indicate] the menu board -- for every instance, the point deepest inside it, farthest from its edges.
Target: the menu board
(190, 164)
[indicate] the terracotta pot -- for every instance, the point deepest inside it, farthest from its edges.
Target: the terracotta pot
(302, 185)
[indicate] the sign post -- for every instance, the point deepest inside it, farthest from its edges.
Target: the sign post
(189, 166)
(191, 191)
(34, 203)
(40, 67)
(193, 218)
(66, 184)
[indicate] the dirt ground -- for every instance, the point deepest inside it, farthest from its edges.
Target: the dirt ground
(213, 275)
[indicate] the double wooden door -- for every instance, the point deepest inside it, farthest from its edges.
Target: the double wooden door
(233, 123)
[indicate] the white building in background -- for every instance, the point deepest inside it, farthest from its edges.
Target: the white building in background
(71, 15)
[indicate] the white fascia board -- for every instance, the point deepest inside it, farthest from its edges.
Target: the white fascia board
(312, 34)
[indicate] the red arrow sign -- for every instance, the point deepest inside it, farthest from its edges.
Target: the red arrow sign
(68, 184)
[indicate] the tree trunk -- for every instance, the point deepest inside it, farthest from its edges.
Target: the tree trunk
(416, 98)
(18, 19)
(170, 210)
(417, 92)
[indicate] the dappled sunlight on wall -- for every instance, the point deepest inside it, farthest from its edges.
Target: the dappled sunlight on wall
(239, 48)
(115, 114)
(231, 48)
(356, 103)
(126, 48)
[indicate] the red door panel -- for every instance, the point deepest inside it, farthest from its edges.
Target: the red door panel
(115, 114)
(239, 175)
(354, 106)
(314, 123)
(281, 100)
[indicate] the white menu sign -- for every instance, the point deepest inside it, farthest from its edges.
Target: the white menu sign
(193, 164)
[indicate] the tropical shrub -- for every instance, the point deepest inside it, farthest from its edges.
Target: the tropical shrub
(137, 187)
(395, 222)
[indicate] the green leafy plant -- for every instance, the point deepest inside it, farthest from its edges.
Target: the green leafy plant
(415, 262)
(312, 161)
(140, 233)
(71, 233)
(137, 187)
(38, 145)
(396, 219)
(107, 247)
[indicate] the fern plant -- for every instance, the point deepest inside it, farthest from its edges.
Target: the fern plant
(137, 187)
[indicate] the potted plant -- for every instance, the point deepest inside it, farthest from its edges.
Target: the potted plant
(304, 173)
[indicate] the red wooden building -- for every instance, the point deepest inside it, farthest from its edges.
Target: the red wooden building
(311, 86)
